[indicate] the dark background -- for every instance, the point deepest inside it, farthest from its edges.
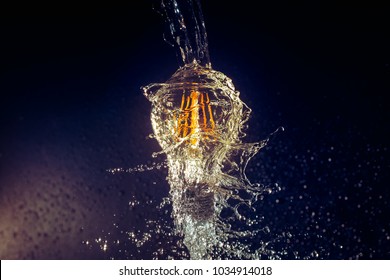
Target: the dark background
(71, 108)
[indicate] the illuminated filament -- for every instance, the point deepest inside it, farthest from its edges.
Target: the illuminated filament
(195, 118)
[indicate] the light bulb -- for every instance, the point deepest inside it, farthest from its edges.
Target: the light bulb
(197, 118)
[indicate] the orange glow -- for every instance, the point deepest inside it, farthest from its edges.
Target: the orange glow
(195, 118)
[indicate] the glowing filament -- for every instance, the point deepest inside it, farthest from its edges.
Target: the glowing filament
(195, 117)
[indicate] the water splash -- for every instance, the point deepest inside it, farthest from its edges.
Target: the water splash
(199, 120)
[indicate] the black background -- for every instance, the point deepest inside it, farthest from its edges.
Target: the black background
(71, 107)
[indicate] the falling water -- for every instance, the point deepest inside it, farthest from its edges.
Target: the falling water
(187, 31)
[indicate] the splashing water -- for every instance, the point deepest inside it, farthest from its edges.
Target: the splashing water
(198, 117)
(198, 120)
